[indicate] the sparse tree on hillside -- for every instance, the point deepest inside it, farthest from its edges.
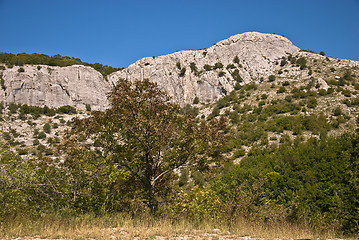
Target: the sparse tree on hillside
(146, 136)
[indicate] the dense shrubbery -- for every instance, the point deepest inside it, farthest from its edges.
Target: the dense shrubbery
(56, 60)
(314, 182)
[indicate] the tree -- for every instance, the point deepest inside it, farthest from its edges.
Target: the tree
(145, 135)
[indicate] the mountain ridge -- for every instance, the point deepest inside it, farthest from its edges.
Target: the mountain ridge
(205, 74)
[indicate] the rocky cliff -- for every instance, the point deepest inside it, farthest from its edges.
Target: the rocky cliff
(206, 74)
(210, 73)
(54, 86)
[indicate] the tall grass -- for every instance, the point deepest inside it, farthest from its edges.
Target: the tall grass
(123, 226)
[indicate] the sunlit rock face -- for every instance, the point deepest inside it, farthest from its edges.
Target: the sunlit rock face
(251, 55)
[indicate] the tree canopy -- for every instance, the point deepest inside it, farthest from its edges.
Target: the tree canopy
(148, 138)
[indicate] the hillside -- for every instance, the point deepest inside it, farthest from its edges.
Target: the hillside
(251, 130)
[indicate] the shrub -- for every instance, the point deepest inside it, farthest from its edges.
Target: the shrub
(237, 86)
(221, 74)
(88, 107)
(281, 90)
(47, 128)
(312, 102)
(196, 100)
(183, 72)
(271, 78)
(236, 60)
(21, 70)
(283, 62)
(66, 110)
(218, 65)
(236, 76)
(286, 83)
(231, 66)
(13, 107)
(41, 135)
(207, 67)
(337, 111)
(189, 110)
(193, 67)
(178, 64)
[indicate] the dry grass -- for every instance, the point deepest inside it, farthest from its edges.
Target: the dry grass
(124, 227)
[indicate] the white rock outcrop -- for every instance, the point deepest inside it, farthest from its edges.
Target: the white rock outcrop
(41, 85)
(256, 53)
(182, 74)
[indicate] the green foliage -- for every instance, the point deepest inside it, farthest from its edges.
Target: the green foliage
(218, 65)
(37, 111)
(88, 107)
(316, 182)
(41, 135)
(148, 138)
(20, 70)
(231, 66)
(283, 62)
(302, 62)
(47, 128)
(271, 78)
(178, 65)
(236, 60)
(13, 107)
(56, 60)
(196, 100)
(348, 75)
(236, 76)
(66, 110)
(281, 89)
(189, 110)
(221, 74)
(193, 67)
(2, 82)
(207, 67)
(182, 72)
(312, 102)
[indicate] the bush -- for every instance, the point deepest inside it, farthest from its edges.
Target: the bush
(196, 100)
(13, 107)
(312, 102)
(283, 62)
(66, 110)
(236, 60)
(271, 78)
(41, 135)
(218, 65)
(231, 66)
(47, 128)
(88, 107)
(183, 72)
(207, 67)
(21, 70)
(221, 74)
(193, 67)
(281, 90)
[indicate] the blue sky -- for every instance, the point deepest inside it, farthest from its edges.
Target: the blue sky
(118, 33)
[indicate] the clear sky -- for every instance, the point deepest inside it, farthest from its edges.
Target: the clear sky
(118, 33)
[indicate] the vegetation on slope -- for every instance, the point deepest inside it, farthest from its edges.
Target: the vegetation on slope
(57, 60)
(290, 156)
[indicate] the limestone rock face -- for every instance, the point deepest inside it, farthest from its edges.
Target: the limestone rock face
(207, 74)
(75, 85)
(211, 73)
